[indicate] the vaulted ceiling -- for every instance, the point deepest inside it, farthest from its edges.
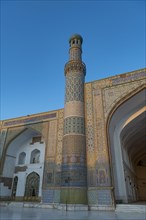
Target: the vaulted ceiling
(129, 124)
(133, 137)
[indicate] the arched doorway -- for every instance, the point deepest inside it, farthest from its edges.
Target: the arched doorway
(127, 140)
(32, 186)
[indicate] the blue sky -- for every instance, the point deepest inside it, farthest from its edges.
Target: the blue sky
(34, 47)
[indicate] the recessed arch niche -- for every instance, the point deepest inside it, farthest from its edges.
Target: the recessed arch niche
(127, 143)
(18, 162)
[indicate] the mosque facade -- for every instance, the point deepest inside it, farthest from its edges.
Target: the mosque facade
(92, 152)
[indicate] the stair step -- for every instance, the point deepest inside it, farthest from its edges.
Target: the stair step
(129, 208)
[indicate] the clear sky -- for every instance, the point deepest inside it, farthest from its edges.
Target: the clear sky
(34, 47)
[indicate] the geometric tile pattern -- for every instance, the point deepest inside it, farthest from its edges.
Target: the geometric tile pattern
(74, 125)
(92, 197)
(74, 88)
(104, 197)
(59, 138)
(76, 66)
(100, 197)
(47, 196)
(112, 95)
(74, 175)
(89, 126)
(57, 196)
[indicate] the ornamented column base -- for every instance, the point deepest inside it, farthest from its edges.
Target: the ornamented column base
(73, 195)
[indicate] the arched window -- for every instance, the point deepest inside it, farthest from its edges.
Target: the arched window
(35, 156)
(22, 157)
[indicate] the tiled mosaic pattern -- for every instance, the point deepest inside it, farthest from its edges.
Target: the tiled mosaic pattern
(48, 196)
(129, 77)
(75, 67)
(49, 170)
(74, 125)
(74, 161)
(58, 158)
(92, 197)
(74, 175)
(51, 196)
(74, 172)
(100, 197)
(89, 124)
(57, 196)
(104, 197)
(52, 136)
(101, 152)
(113, 94)
(74, 88)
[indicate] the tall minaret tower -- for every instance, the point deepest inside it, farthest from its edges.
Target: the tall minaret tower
(74, 177)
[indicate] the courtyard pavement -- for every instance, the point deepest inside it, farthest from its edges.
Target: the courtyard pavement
(21, 213)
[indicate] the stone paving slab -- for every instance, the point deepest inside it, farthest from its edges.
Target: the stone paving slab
(22, 213)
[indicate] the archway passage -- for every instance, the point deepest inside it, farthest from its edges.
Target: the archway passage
(127, 135)
(32, 186)
(133, 139)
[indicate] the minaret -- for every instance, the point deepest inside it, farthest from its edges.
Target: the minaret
(74, 177)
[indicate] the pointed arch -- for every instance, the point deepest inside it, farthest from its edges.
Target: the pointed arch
(21, 159)
(35, 156)
(9, 156)
(126, 140)
(32, 186)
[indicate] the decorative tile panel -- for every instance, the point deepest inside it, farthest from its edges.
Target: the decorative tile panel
(52, 135)
(48, 196)
(89, 126)
(92, 197)
(114, 94)
(74, 88)
(104, 197)
(99, 197)
(75, 67)
(57, 196)
(74, 175)
(74, 125)
(59, 139)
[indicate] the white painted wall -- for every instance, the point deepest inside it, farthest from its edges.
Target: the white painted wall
(22, 144)
(4, 190)
(35, 167)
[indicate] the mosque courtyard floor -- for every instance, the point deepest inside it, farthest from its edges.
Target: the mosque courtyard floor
(22, 213)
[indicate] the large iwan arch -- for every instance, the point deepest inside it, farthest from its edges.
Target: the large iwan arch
(127, 141)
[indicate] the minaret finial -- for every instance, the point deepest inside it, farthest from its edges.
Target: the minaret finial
(75, 43)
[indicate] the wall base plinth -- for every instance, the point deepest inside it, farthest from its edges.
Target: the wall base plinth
(73, 196)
